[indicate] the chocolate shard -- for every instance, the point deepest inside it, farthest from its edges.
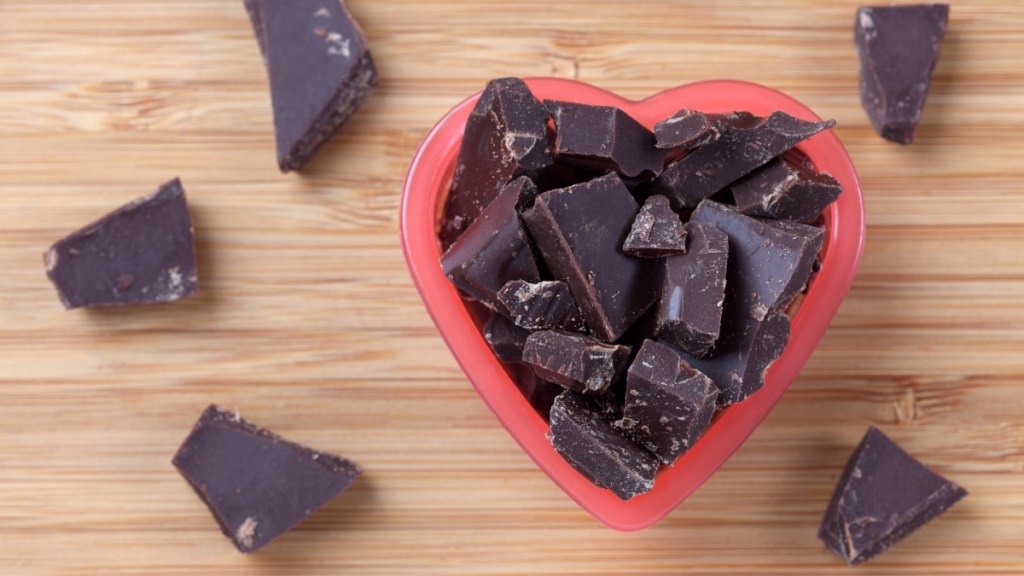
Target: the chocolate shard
(505, 338)
(898, 48)
(538, 392)
(746, 142)
(693, 291)
(495, 248)
(575, 361)
(685, 130)
(141, 253)
(587, 439)
(256, 484)
(657, 231)
(579, 231)
(883, 495)
(785, 191)
(541, 305)
(506, 137)
(669, 404)
(770, 262)
(319, 67)
(604, 138)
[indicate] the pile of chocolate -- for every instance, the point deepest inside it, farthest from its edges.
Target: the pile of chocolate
(635, 281)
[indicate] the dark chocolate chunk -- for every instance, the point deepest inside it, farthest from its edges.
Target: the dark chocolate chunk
(506, 137)
(686, 130)
(579, 231)
(587, 439)
(257, 484)
(746, 143)
(605, 139)
(538, 392)
(669, 405)
(785, 191)
(770, 262)
(898, 48)
(883, 495)
(541, 305)
(657, 231)
(505, 338)
(141, 253)
(575, 361)
(319, 67)
(495, 248)
(693, 291)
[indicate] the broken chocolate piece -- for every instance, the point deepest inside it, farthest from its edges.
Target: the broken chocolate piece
(506, 137)
(605, 139)
(898, 48)
(785, 191)
(746, 143)
(505, 338)
(541, 305)
(256, 484)
(494, 249)
(685, 130)
(657, 231)
(770, 262)
(883, 495)
(591, 444)
(141, 253)
(319, 67)
(668, 403)
(693, 291)
(579, 231)
(575, 361)
(538, 392)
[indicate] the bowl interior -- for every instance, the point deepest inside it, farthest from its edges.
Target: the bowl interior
(426, 187)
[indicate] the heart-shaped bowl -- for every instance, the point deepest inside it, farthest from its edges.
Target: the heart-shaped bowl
(426, 187)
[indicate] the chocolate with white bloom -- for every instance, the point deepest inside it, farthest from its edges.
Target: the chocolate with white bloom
(883, 495)
(747, 142)
(541, 305)
(786, 191)
(686, 130)
(575, 361)
(604, 138)
(141, 253)
(693, 291)
(657, 231)
(669, 404)
(589, 441)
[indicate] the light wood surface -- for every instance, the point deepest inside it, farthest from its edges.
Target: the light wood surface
(309, 324)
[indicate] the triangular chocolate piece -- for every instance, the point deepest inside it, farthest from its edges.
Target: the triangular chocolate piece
(657, 231)
(685, 130)
(898, 48)
(883, 495)
(257, 484)
(319, 67)
(141, 253)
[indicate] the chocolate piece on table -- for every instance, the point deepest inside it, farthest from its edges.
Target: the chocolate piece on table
(506, 137)
(319, 67)
(141, 253)
(693, 291)
(657, 231)
(883, 495)
(587, 439)
(541, 305)
(669, 404)
(575, 361)
(686, 130)
(747, 142)
(256, 484)
(604, 138)
(505, 338)
(495, 248)
(785, 191)
(579, 231)
(898, 48)
(770, 262)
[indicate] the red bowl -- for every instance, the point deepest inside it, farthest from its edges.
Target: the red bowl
(426, 186)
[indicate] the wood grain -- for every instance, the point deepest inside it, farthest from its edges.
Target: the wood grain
(308, 323)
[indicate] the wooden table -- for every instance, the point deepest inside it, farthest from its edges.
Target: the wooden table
(309, 324)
